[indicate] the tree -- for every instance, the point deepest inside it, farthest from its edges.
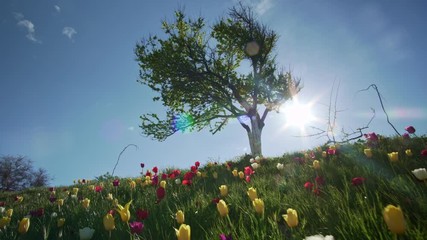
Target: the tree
(195, 70)
(17, 173)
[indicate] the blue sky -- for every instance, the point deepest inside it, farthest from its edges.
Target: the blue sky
(70, 101)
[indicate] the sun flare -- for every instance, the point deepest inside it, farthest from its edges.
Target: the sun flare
(297, 114)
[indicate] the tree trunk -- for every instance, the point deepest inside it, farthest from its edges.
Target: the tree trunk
(255, 137)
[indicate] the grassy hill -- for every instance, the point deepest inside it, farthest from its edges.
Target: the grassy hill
(343, 194)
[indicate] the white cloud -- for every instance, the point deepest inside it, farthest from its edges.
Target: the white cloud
(57, 8)
(69, 32)
(30, 29)
(263, 6)
(18, 16)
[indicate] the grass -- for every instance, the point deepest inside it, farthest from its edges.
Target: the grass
(334, 206)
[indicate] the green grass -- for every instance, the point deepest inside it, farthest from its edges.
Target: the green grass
(339, 209)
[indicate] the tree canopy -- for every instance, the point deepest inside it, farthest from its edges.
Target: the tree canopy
(195, 70)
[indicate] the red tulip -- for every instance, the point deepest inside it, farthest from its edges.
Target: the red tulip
(410, 129)
(141, 214)
(424, 153)
(161, 192)
(249, 171)
(357, 181)
(116, 182)
(136, 227)
(155, 169)
(308, 185)
(215, 200)
(193, 169)
(248, 179)
(197, 164)
(320, 180)
(98, 189)
(2, 204)
(186, 182)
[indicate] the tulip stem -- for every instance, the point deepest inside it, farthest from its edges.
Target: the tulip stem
(395, 236)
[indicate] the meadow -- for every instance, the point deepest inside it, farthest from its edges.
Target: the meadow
(374, 188)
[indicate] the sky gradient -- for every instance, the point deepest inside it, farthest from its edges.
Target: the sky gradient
(70, 101)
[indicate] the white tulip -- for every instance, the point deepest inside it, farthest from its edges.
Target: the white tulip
(178, 181)
(251, 160)
(320, 237)
(280, 166)
(86, 233)
(420, 173)
(255, 165)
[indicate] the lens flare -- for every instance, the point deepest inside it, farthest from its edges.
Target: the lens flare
(183, 122)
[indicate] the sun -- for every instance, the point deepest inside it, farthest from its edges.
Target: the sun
(297, 114)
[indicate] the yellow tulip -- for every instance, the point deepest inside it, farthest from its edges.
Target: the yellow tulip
(324, 154)
(60, 222)
(110, 196)
(408, 152)
(258, 205)
(179, 216)
(367, 152)
(124, 211)
(199, 174)
(252, 193)
(75, 191)
(184, 232)
(4, 221)
(109, 222)
(223, 189)
(241, 175)
(316, 164)
(163, 184)
(60, 202)
(215, 175)
(222, 208)
(9, 212)
(291, 217)
(234, 172)
(132, 184)
(393, 156)
(19, 199)
(393, 217)
(86, 202)
(24, 224)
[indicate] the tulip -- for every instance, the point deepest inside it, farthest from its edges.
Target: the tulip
(9, 212)
(393, 156)
(24, 224)
(163, 184)
(357, 181)
(324, 154)
(199, 174)
(124, 211)
(410, 129)
(60, 201)
(241, 175)
(280, 166)
(223, 190)
(320, 237)
(132, 184)
(424, 152)
(255, 165)
(420, 173)
(234, 172)
(316, 164)
(258, 205)
(141, 214)
(252, 193)
(222, 236)
(215, 175)
(116, 182)
(393, 217)
(222, 208)
(160, 192)
(1, 210)
(75, 191)
(60, 222)
(184, 232)
(368, 152)
(4, 221)
(179, 216)
(86, 233)
(291, 217)
(19, 199)
(86, 202)
(408, 152)
(136, 227)
(177, 181)
(109, 222)
(110, 196)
